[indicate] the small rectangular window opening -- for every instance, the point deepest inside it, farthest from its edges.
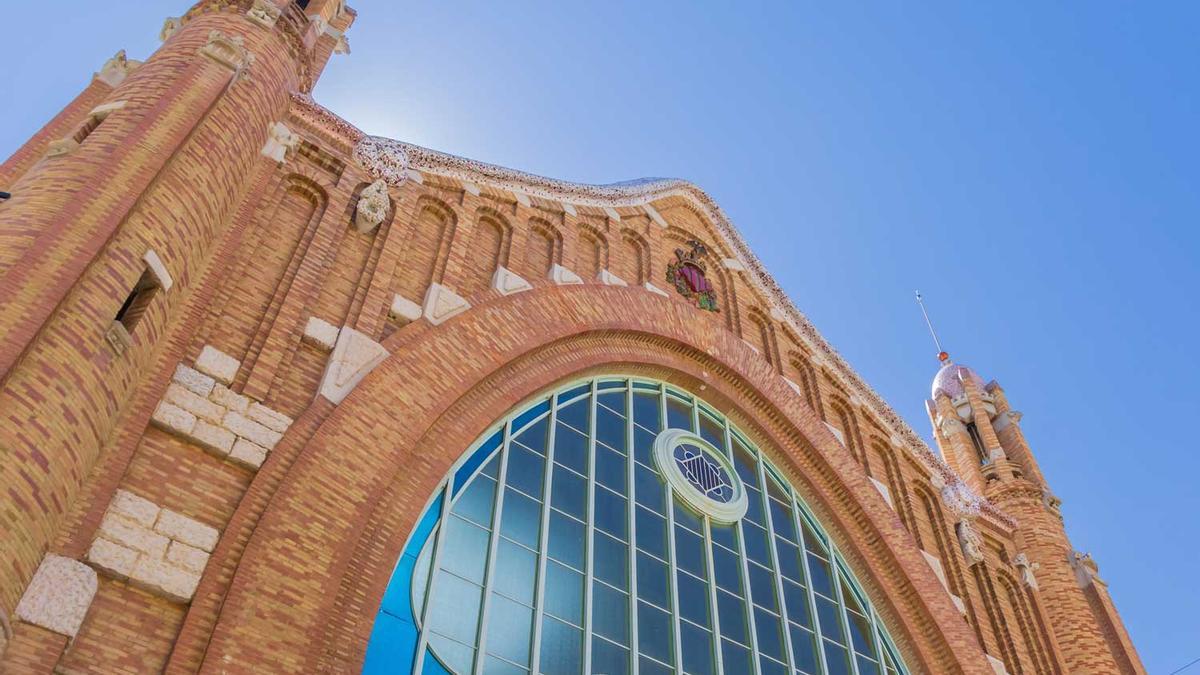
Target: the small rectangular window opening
(138, 301)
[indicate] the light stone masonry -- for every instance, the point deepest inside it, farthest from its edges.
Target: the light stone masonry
(219, 420)
(221, 366)
(166, 553)
(59, 595)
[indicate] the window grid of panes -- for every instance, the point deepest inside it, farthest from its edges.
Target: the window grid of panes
(562, 550)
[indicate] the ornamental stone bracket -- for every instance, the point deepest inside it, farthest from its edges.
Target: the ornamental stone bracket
(883, 490)
(59, 595)
(264, 13)
(342, 46)
(655, 289)
(353, 357)
(612, 214)
(970, 541)
(734, 264)
(1006, 418)
(1026, 570)
(116, 69)
(372, 208)
(837, 433)
(442, 304)
(794, 387)
(200, 408)
(158, 270)
(522, 198)
(606, 277)
(280, 140)
(569, 209)
(508, 282)
(153, 547)
(563, 276)
(996, 664)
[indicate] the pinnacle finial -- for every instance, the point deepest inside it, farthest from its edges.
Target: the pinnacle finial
(943, 356)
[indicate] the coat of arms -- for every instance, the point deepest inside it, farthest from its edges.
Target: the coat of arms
(687, 275)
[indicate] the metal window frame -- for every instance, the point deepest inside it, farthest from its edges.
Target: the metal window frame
(840, 571)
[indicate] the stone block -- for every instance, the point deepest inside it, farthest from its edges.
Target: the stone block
(187, 530)
(59, 595)
(112, 558)
(173, 419)
(161, 577)
(221, 366)
(404, 310)
(126, 533)
(193, 380)
(612, 214)
(188, 557)
(153, 263)
(248, 454)
(655, 216)
(224, 396)
(272, 419)
(251, 430)
(936, 564)
(212, 437)
(733, 264)
(132, 507)
(320, 333)
(197, 405)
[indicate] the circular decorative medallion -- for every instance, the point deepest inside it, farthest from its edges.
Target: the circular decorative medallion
(700, 475)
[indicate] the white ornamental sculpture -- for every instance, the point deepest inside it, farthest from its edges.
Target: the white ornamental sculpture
(970, 541)
(372, 206)
(1026, 569)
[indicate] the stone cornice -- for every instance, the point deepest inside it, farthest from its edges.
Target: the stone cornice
(390, 159)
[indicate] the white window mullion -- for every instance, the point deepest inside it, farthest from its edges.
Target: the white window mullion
(712, 594)
(589, 533)
(493, 544)
(631, 514)
(841, 601)
(749, 601)
(543, 537)
(810, 589)
(423, 629)
(783, 614)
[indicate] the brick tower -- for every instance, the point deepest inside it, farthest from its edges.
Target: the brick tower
(117, 206)
(980, 436)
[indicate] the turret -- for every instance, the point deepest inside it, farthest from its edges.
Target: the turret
(979, 436)
(118, 208)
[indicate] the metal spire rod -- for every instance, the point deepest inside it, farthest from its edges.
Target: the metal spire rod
(942, 355)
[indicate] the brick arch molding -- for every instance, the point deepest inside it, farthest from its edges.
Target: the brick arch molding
(308, 554)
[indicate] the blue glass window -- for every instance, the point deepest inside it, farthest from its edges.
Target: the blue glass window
(555, 546)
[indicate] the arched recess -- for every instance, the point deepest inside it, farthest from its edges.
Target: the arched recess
(343, 489)
(543, 249)
(428, 248)
(490, 239)
(591, 255)
(633, 259)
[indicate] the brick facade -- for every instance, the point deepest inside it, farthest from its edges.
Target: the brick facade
(324, 321)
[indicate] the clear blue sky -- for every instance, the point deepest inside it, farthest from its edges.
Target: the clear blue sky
(1033, 170)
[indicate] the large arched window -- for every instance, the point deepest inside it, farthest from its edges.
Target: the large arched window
(622, 526)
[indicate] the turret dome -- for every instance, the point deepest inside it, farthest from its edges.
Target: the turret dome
(949, 379)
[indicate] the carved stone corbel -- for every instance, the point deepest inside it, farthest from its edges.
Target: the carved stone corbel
(228, 50)
(372, 208)
(116, 69)
(1086, 569)
(171, 25)
(280, 139)
(264, 13)
(970, 541)
(1026, 570)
